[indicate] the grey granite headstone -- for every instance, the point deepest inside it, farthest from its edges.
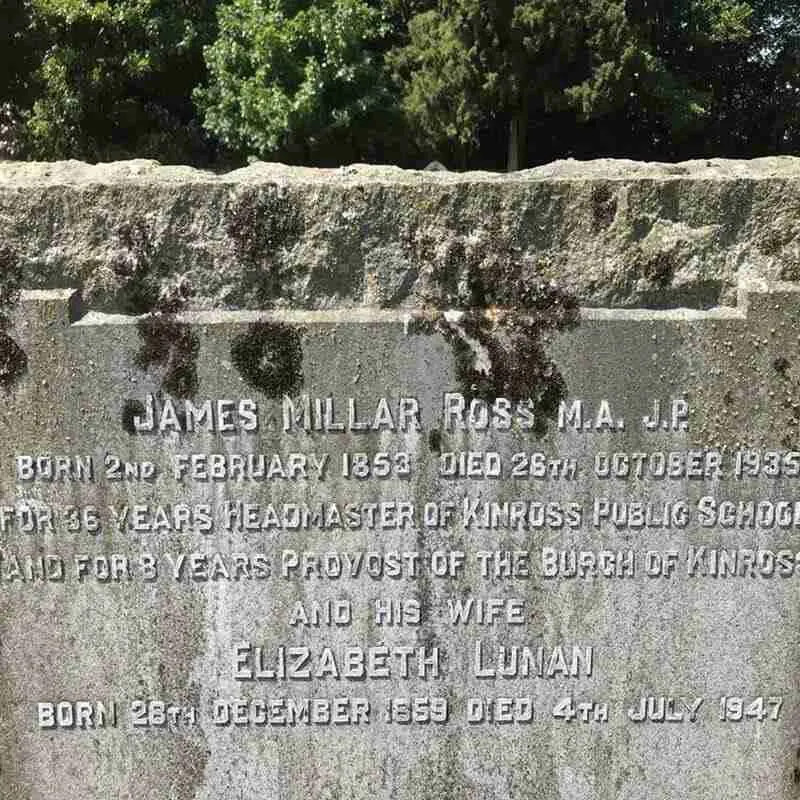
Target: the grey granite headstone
(324, 521)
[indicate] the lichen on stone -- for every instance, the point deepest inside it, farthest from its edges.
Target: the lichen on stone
(499, 342)
(604, 206)
(260, 223)
(13, 360)
(269, 357)
(169, 344)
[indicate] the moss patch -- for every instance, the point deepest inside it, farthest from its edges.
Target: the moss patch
(659, 268)
(604, 207)
(10, 279)
(173, 347)
(499, 341)
(130, 410)
(13, 360)
(260, 223)
(269, 356)
(502, 352)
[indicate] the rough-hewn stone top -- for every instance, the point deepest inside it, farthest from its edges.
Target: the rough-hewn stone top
(611, 232)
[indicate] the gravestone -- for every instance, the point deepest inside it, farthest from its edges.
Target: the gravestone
(375, 501)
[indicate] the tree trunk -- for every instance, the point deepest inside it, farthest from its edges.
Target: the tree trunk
(517, 140)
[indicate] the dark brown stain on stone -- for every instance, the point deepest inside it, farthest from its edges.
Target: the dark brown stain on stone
(141, 285)
(130, 410)
(269, 357)
(260, 222)
(146, 277)
(516, 364)
(781, 365)
(13, 360)
(422, 323)
(10, 278)
(796, 768)
(604, 207)
(500, 340)
(172, 346)
(660, 268)
(435, 441)
(503, 353)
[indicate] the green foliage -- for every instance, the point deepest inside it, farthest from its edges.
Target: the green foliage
(292, 77)
(444, 96)
(640, 78)
(469, 64)
(117, 76)
(688, 78)
(471, 82)
(19, 50)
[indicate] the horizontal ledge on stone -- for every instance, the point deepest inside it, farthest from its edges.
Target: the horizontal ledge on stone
(59, 306)
(652, 314)
(761, 294)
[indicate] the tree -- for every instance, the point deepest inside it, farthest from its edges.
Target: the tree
(754, 109)
(653, 68)
(646, 78)
(20, 50)
(691, 78)
(117, 77)
(300, 79)
(470, 63)
(487, 83)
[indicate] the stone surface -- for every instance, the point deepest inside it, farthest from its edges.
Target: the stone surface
(87, 377)
(137, 586)
(615, 233)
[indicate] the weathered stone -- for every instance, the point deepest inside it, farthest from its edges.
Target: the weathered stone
(616, 233)
(489, 439)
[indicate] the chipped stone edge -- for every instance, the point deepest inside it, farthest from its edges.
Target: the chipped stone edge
(18, 174)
